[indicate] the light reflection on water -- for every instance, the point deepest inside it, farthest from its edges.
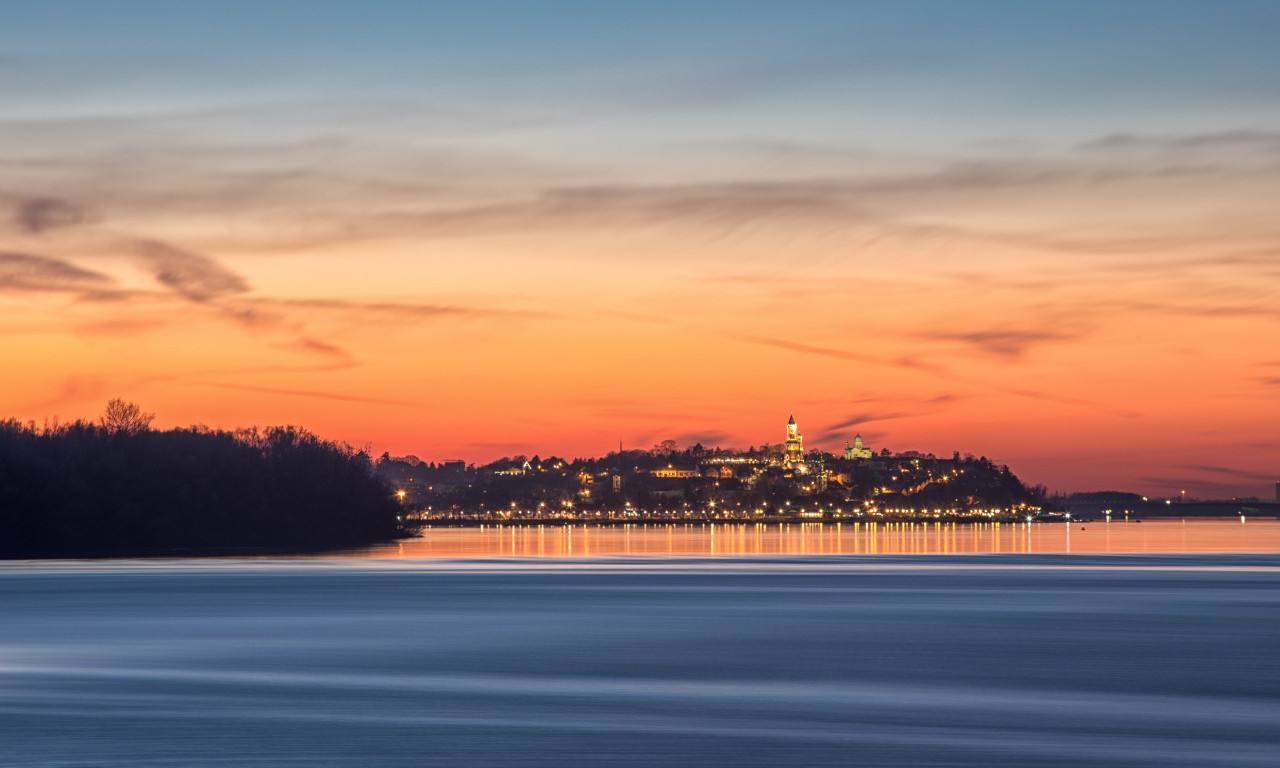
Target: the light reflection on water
(690, 645)
(1191, 536)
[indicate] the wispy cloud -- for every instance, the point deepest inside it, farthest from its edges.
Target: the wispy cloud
(219, 292)
(1264, 259)
(317, 347)
(192, 275)
(391, 309)
(1230, 472)
(1053, 397)
(1200, 309)
(309, 393)
(1007, 342)
(839, 354)
(207, 375)
(939, 372)
(863, 200)
(866, 417)
(858, 422)
(1266, 142)
(28, 272)
(708, 213)
(76, 388)
(37, 214)
(622, 411)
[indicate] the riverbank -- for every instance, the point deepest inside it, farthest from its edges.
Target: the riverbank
(1055, 517)
(472, 521)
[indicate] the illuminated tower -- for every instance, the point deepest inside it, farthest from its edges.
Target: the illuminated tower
(795, 444)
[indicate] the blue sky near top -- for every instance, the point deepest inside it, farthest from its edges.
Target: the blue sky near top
(936, 73)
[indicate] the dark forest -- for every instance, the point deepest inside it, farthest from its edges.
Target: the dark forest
(118, 488)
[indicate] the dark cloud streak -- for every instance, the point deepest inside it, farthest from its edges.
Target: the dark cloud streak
(192, 275)
(1230, 472)
(39, 214)
(28, 272)
(865, 417)
(309, 393)
(1007, 343)
(936, 371)
(316, 346)
(1266, 141)
(838, 354)
(400, 309)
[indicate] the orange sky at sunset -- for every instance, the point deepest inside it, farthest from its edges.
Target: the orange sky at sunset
(1096, 303)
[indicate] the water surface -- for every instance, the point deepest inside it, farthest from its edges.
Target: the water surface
(1214, 535)
(998, 660)
(1147, 644)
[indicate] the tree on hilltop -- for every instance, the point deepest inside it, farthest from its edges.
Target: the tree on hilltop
(121, 417)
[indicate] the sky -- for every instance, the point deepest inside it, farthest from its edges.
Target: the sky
(1042, 233)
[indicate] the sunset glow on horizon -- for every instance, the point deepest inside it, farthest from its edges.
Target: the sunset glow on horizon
(1046, 235)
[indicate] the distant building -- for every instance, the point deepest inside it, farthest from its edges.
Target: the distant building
(794, 454)
(670, 471)
(523, 469)
(856, 451)
(1278, 491)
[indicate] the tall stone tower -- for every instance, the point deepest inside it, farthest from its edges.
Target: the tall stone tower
(795, 444)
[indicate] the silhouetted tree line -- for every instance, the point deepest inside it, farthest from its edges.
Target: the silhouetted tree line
(117, 488)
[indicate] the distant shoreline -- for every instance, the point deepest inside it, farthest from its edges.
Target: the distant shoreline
(195, 553)
(791, 520)
(418, 527)
(1049, 518)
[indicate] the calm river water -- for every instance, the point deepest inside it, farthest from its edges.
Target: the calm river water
(1194, 535)
(464, 655)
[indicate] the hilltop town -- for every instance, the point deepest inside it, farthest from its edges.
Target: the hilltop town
(668, 482)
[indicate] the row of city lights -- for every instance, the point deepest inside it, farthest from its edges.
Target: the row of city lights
(759, 511)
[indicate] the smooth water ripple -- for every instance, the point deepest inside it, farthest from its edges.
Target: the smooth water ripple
(1005, 662)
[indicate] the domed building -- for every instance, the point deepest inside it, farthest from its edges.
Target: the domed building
(857, 451)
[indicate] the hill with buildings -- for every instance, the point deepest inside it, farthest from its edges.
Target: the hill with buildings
(667, 482)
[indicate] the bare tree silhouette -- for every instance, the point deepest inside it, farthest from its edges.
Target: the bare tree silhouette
(122, 417)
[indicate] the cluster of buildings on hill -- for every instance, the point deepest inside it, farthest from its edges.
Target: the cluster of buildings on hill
(812, 471)
(794, 447)
(771, 478)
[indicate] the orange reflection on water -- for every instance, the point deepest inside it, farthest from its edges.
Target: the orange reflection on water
(734, 539)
